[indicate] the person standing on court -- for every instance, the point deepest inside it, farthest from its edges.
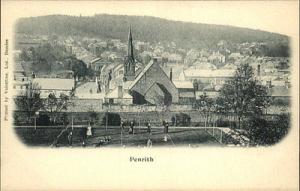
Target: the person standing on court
(149, 127)
(70, 137)
(131, 128)
(167, 127)
(83, 133)
(122, 126)
(89, 130)
(166, 130)
(149, 143)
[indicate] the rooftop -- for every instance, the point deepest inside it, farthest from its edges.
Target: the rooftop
(18, 67)
(193, 72)
(114, 94)
(183, 84)
(54, 83)
(141, 73)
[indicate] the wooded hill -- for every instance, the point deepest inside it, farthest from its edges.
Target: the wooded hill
(145, 28)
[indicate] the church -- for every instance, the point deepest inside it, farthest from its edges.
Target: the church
(133, 83)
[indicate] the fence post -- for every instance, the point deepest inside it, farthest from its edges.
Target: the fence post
(221, 138)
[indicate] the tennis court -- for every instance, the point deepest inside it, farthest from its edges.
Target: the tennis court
(113, 137)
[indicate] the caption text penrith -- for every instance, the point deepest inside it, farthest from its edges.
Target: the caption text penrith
(141, 159)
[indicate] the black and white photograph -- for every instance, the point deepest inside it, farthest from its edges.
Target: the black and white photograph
(114, 76)
(119, 80)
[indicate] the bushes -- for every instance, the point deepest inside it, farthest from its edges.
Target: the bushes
(181, 119)
(113, 119)
(263, 132)
(43, 120)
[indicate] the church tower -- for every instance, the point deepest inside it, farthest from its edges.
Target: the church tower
(129, 62)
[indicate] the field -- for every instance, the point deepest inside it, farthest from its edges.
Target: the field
(45, 136)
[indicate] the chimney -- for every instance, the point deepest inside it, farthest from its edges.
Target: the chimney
(196, 85)
(258, 70)
(109, 75)
(171, 74)
(120, 91)
(270, 84)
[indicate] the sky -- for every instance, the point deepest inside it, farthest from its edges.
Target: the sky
(273, 16)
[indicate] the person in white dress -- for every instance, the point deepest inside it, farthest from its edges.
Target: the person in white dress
(149, 143)
(89, 131)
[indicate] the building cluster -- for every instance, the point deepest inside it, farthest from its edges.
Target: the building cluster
(155, 74)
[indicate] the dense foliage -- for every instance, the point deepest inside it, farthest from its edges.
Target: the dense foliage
(111, 119)
(263, 132)
(48, 58)
(151, 29)
(243, 95)
(55, 105)
(206, 106)
(44, 58)
(80, 69)
(30, 102)
(181, 119)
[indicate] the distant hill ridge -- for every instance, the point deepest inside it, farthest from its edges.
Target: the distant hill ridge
(145, 28)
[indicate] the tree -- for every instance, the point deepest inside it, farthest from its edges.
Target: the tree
(205, 106)
(181, 119)
(24, 55)
(243, 95)
(187, 35)
(263, 132)
(113, 119)
(72, 93)
(80, 70)
(55, 105)
(30, 101)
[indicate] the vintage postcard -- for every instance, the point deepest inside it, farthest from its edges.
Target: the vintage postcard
(151, 95)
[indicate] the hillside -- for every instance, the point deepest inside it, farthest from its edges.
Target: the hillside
(144, 28)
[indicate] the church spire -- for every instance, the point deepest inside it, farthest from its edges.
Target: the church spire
(130, 45)
(129, 63)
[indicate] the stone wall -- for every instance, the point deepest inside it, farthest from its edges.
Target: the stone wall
(85, 105)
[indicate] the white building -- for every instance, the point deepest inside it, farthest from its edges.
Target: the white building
(54, 85)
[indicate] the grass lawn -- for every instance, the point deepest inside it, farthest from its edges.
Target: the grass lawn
(176, 137)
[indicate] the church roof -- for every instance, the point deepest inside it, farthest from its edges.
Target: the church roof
(142, 73)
